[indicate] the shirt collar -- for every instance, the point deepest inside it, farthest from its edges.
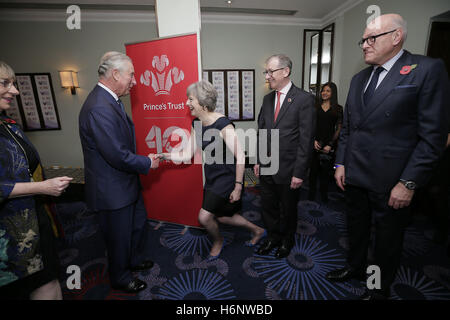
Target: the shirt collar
(389, 64)
(116, 98)
(286, 89)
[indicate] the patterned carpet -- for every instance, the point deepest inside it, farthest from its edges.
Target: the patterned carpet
(181, 272)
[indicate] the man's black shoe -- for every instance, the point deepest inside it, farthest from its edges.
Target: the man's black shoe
(143, 266)
(282, 251)
(372, 295)
(344, 274)
(266, 247)
(134, 286)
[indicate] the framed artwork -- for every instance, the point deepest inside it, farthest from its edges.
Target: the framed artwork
(35, 106)
(236, 92)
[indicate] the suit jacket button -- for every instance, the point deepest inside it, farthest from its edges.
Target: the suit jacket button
(387, 113)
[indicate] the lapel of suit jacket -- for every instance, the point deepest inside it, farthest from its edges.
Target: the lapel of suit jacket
(286, 104)
(123, 115)
(115, 105)
(360, 90)
(392, 79)
(271, 110)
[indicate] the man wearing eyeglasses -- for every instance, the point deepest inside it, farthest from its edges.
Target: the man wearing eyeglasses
(394, 130)
(291, 112)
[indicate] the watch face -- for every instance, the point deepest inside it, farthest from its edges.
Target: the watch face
(410, 185)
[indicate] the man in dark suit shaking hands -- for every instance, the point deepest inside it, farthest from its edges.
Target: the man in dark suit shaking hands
(291, 112)
(394, 130)
(112, 170)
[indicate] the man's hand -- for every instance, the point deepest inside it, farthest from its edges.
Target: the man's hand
(155, 160)
(256, 170)
(339, 175)
(296, 183)
(400, 196)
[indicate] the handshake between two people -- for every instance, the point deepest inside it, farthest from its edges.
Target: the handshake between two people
(157, 157)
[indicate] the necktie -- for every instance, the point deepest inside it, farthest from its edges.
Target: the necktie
(121, 105)
(128, 122)
(277, 108)
(372, 85)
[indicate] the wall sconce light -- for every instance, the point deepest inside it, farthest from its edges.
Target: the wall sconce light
(69, 79)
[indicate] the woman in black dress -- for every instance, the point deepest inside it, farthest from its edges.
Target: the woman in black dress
(329, 122)
(224, 179)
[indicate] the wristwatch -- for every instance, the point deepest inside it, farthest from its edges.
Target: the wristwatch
(410, 185)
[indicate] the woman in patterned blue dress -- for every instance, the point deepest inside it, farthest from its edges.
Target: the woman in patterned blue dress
(223, 179)
(28, 263)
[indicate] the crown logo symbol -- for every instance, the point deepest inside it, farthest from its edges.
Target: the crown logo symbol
(158, 80)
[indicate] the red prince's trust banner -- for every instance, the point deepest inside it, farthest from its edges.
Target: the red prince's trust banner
(164, 68)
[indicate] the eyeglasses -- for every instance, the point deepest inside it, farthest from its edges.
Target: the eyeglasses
(7, 84)
(371, 40)
(270, 72)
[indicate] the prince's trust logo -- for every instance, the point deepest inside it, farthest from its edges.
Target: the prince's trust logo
(161, 83)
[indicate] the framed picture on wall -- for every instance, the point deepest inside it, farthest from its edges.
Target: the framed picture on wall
(236, 92)
(35, 106)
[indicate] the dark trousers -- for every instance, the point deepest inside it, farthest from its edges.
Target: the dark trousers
(434, 198)
(363, 206)
(126, 235)
(279, 204)
(321, 170)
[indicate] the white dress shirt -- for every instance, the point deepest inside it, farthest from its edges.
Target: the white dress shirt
(284, 92)
(109, 90)
(387, 67)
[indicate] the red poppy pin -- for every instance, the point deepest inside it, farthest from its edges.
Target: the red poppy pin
(8, 120)
(289, 100)
(407, 69)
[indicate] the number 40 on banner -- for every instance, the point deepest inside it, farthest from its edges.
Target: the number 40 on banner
(174, 139)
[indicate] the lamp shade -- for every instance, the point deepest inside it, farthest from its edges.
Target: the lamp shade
(69, 79)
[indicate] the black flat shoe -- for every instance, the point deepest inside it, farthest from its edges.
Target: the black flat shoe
(267, 247)
(143, 266)
(134, 286)
(344, 274)
(282, 252)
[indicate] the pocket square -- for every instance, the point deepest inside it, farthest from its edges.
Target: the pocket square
(406, 86)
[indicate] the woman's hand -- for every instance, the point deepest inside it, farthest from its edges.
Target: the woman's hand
(236, 194)
(326, 149)
(55, 186)
(317, 145)
(165, 156)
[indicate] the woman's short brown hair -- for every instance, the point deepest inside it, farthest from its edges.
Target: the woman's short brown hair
(205, 93)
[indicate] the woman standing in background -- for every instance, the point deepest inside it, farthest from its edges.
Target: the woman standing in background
(329, 122)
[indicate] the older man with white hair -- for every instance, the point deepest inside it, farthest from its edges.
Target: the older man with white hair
(112, 170)
(394, 130)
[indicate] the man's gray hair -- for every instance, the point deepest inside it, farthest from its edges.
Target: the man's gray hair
(110, 61)
(399, 22)
(205, 93)
(283, 61)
